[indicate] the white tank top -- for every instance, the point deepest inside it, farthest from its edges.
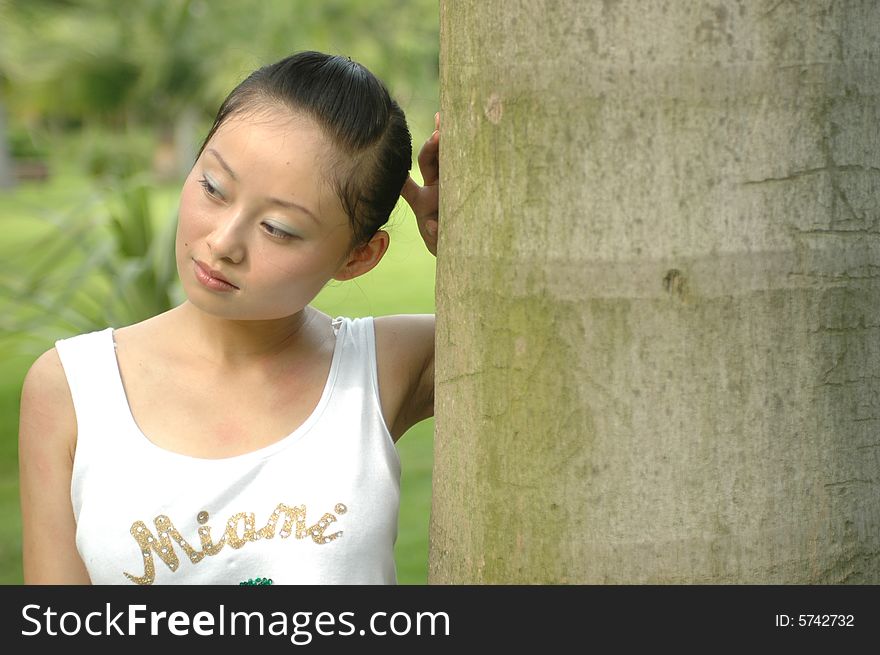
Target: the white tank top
(319, 506)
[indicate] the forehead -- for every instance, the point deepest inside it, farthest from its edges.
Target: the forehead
(273, 136)
(278, 153)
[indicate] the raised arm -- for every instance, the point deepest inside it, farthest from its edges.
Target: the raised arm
(405, 343)
(46, 442)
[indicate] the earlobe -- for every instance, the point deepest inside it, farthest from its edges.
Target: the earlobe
(364, 257)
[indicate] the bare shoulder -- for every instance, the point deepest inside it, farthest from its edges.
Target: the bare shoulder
(46, 444)
(46, 405)
(405, 361)
(46, 369)
(405, 342)
(414, 333)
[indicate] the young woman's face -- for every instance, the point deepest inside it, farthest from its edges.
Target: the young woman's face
(257, 211)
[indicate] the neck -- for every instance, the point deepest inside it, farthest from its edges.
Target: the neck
(226, 342)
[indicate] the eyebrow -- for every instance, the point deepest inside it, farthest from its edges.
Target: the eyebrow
(274, 201)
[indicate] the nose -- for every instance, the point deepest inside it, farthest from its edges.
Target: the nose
(227, 239)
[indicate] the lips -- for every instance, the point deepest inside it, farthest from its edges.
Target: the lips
(211, 278)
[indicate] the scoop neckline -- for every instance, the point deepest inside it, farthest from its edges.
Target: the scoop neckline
(339, 326)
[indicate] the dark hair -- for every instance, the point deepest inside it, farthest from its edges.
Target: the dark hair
(357, 114)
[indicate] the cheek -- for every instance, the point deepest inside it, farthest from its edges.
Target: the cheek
(190, 222)
(295, 260)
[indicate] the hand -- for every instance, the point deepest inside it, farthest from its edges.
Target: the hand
(425, 200)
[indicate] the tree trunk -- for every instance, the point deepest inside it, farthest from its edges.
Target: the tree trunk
(658, 293)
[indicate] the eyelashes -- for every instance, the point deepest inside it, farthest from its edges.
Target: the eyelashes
(273, 231)
(278, 233)
(209, 188)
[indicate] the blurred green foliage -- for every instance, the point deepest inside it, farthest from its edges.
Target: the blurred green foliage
(24, 145)
(111, 98)
(123, 92)
(68, 63)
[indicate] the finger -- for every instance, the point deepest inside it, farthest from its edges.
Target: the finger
(428, 232)
(410, 190)
(429, 159)
(437, 121)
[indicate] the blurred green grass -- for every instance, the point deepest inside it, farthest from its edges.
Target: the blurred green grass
(402, 283)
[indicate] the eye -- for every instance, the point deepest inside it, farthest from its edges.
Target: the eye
(276, 232)
(209, 188)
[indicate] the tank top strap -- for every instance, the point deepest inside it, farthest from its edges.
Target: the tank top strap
(357, 385)
(92, 372)
(358, 368)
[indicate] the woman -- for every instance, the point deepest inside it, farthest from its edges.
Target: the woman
(245, 436)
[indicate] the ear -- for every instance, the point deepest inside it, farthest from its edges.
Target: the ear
(364, 257)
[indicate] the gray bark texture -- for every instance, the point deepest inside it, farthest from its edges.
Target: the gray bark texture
(658, 293)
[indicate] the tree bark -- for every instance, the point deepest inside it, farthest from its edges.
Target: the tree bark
(658, 293)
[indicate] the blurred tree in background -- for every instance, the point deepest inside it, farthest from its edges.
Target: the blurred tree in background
(166, 65)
